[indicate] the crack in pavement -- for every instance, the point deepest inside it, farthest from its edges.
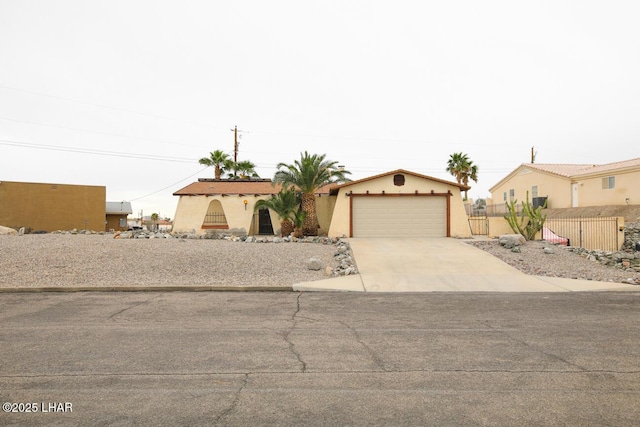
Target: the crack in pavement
(234, 402)
(376, 359)
(537, 349)
(290, 343)
(133, 306)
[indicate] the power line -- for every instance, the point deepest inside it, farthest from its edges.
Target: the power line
(94, 131)
(168, 186)
(109, 107)
(95, 152)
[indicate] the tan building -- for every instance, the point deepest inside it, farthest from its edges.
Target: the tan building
(398, 204)
(51, 207)
(569, 185)
(117, 213)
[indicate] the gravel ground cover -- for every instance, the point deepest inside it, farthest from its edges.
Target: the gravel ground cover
(58, 260)
(562, 263)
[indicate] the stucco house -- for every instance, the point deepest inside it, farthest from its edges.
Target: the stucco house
(398, 203)
(569, 185)
(228, 205)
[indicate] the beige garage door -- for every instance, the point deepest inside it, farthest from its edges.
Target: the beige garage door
(410, 216)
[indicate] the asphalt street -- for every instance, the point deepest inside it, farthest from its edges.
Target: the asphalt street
(289, 358)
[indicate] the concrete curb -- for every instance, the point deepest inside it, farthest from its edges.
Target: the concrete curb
(62, 289)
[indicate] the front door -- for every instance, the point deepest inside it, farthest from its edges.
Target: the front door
(264, 222)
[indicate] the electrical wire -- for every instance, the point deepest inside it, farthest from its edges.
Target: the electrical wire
(95, 152)
(168, 186)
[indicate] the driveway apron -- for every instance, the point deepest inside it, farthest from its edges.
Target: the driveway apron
(440, 265)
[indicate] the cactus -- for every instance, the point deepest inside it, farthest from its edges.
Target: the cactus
(530, 222)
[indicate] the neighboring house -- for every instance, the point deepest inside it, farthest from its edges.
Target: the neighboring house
(117, 213)
(569, 185)
(396, 204)
(51, 207)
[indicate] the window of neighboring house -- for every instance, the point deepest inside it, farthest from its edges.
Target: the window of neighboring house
(512, 194)
(504, 196)
(608, 182)
(534, 191)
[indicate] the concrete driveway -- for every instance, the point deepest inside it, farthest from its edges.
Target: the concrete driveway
(441, 265)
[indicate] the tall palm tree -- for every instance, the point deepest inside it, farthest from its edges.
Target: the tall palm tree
(219, 160)
(284, 204)
(460, 166)
(307, 175)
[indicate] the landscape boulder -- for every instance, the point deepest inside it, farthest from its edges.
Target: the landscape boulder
(314, 263)
(511, 240)
(7, 231)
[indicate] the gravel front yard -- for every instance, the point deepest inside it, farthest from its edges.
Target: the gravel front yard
(55, 260)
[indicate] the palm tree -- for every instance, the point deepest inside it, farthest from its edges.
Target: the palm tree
(284, 204)
(460, 166)
(307, 175)
(154, 221)
(246, 169)
(219, 160)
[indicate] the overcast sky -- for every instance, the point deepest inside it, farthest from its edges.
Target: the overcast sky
(130, 94)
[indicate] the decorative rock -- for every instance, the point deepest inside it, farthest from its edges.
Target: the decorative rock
(314, 263)
(328, 271)
(516, 249)
(549, 250)
(512, 240)
(7, 231)
(21, 231)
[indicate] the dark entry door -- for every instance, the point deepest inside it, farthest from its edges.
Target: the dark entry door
(264, 222)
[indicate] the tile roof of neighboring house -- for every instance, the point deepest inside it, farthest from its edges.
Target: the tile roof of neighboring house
(570, 170)
(616, 166)
(574, 170)
(566, 170)
(214, 187)
(115, 208)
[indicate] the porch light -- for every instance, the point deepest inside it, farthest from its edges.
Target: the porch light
(245, 201)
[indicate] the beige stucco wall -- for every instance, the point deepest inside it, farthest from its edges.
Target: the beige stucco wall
(324, 207)
(191, 211)
(556, 188)
(627, 185)
(341, 215)
(498, 226)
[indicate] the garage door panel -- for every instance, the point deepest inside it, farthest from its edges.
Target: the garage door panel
(407, 216)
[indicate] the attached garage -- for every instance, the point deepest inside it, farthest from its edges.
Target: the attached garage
(399, 204)
(399, 216)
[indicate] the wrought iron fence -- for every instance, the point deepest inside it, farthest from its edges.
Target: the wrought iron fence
(589, 233)
(501, 209)
(215, 218)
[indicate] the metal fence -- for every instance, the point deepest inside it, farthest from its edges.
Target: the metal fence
(215, 218)
(589, 233)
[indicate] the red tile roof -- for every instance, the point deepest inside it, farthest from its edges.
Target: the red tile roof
(210, 187)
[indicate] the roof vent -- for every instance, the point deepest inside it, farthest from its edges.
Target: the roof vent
(398, 180)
